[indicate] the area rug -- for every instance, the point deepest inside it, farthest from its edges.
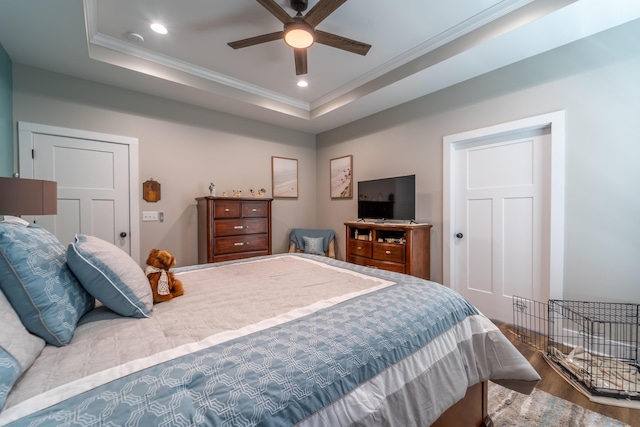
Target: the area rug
(513, 409)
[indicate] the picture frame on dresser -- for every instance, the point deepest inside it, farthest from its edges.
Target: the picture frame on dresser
(341, 177)
(284, 177)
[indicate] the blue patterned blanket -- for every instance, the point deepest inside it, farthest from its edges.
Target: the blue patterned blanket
(286, 374)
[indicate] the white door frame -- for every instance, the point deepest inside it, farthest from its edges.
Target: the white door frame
(556, 121)
(25, 135)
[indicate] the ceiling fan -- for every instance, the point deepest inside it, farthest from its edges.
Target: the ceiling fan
(300, 31)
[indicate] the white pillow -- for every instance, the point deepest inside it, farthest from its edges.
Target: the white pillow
(18, 348)
(111, 276)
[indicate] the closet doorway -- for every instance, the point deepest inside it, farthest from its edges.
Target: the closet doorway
(503, 213)
(97, 176)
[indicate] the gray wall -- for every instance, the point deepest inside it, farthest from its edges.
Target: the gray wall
(596, 81)
(182, 147)
(6, 114)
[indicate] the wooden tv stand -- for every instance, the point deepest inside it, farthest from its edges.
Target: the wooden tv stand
(403, 248)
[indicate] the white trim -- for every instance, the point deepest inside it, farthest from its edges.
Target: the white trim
(25, 166)
(556, 121)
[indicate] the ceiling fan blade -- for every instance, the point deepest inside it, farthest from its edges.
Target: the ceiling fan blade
(256, 40)
(276, 11)
(343, 43)
(321, 10)
(300, 56)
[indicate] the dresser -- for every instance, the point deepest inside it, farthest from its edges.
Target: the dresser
(233, 228)
(403, 248)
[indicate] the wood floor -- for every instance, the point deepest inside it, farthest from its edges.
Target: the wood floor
(553, 383)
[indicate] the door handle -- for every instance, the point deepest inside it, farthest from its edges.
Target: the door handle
(123, 234)
(459, 235)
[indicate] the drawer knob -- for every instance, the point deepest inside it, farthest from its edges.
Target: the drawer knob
(238, 227)
(388, 252)
(239, 244)
(226, 209)
(359, 247)
(254, 210)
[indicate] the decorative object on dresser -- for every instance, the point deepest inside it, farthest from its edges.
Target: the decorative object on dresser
(403, 248)
(233, 228)
(258, 193)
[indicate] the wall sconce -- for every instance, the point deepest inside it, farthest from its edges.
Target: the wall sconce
(151, 190)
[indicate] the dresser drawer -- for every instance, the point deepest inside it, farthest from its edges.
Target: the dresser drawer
(374, 263)
(388, 252)
(386, 265)
(234, 227)
(235, 244)
(227, 209)
(254, 210)
(360, 247)
(239, 255)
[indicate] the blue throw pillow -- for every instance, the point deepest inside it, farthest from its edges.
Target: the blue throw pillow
(18, 348)
(111, 275)
(36, 280)
(313, 245)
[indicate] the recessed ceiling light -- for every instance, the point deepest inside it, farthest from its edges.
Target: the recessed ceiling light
(159, 28)
(303, 83)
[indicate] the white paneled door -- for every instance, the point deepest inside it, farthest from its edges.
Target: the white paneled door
(500, 217)
(93, 172)
(503, 213)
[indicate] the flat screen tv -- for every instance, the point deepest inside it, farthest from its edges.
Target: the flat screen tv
(387, 198)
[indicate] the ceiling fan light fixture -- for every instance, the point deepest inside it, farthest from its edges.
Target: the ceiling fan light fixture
(298, 35)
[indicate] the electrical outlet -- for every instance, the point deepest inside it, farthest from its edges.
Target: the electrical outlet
(149, 215)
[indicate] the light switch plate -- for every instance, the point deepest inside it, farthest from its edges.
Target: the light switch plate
(149, 215)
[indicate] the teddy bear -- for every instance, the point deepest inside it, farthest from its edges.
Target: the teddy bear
(163, 283)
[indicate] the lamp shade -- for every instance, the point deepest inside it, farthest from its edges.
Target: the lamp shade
(20, 196)
(298, 35)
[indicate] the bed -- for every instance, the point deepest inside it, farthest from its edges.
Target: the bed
(286, 339)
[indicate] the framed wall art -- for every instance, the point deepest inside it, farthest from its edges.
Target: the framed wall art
(341, 176)
(284, 177)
